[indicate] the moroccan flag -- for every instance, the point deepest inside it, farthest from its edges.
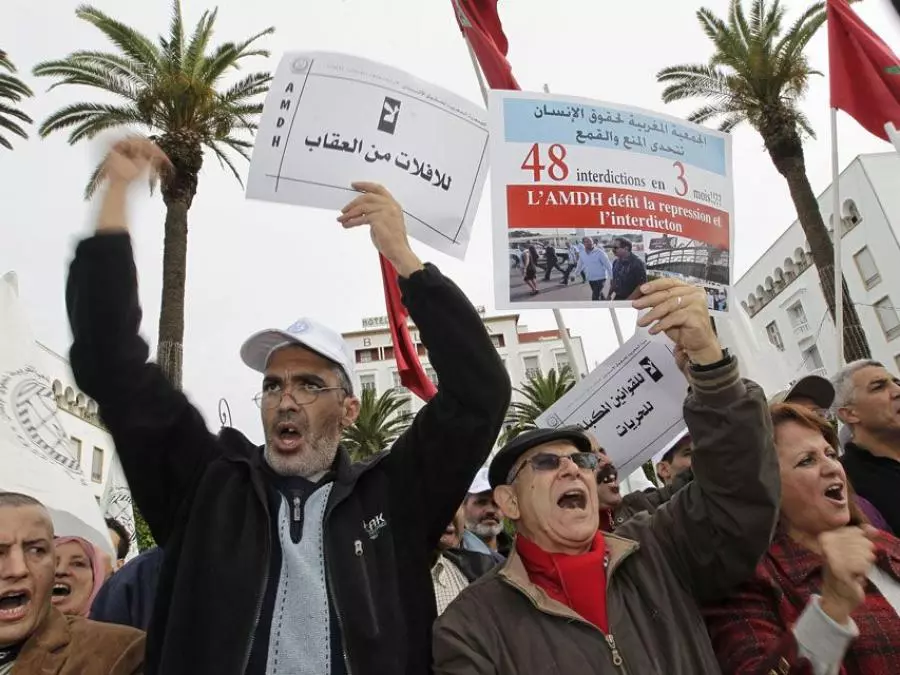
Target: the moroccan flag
(480, 23)
(412, 375)
(865, 73)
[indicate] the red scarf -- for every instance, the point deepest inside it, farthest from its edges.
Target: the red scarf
(577, 581)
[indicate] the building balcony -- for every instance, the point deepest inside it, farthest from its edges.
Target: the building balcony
(802, 330)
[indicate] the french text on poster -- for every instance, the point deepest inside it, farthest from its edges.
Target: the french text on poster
(591, 199)
(332, 119)
(632, 403)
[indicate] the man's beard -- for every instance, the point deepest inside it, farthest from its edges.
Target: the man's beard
(485, 531)
(318, 456)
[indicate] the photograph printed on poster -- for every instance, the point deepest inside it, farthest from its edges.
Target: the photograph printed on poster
(575, 265)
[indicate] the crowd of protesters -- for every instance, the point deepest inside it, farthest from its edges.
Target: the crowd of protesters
(768, 546)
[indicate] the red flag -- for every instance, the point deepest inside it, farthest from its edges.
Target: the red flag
(865, 73)
(412, 375)
(480, 23)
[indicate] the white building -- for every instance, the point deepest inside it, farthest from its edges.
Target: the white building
(524, 353)
(91, 442)
(781, 291)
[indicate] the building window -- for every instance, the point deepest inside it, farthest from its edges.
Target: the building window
(888, 318)
(398, 385)
(812, 359)
(797, 315)
(562, 361)
(868, 270)
(76, 448)
(367, 381)
(97, 466)
(532, 367)
(497, 341)
(897, 363)
(388, 354)
(366, 355)
(429, 371)
(775, 336)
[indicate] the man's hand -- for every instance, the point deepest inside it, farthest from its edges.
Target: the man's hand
(849, 555)
(129, 160)
(680, 310)
(378, 209)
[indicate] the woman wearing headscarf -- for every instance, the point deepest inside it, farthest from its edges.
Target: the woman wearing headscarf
(80, 571)
(824, 599)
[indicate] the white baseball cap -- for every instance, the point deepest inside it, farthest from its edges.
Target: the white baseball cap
(308, 333)
(481, 482)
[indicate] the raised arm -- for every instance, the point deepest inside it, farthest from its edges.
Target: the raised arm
(716, 529)
(161, 439)
(433, 463)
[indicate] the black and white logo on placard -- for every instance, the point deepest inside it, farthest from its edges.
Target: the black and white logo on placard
(28, 408)
(390, 111)
(651, 369)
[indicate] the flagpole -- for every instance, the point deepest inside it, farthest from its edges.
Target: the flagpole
(893, 134)
(560, 324)
(837, 228)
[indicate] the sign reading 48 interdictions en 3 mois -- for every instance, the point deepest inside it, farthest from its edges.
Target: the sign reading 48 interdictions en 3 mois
(600, 197)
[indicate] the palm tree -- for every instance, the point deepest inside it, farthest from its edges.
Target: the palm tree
(758, 73)
(538, 394)
(381, 420)
(174, 91)
(12, 91)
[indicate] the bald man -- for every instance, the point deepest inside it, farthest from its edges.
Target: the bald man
(35, 637)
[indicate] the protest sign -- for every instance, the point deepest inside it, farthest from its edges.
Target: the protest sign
(632, 403)
(331, 119)
(35, 453)
(632, 194)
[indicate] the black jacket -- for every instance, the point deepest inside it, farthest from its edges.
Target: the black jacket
(126, 598)
(876, 479)
(205, 498)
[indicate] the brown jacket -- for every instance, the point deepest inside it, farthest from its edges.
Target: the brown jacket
(72, 645)
(706, 540)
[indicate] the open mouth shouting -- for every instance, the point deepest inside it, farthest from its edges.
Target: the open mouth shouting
(287, 436)
(14, 604)
(836, 494)
(575, 498)
(61, 591)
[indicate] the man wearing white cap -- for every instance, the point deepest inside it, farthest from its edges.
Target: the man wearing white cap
(286, 558)
(484, 521)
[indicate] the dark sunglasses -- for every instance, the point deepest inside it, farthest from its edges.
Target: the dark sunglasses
(547, 461)
(608, 474)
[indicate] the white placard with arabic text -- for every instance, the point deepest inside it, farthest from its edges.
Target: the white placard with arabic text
(632, 402)
(332, 119)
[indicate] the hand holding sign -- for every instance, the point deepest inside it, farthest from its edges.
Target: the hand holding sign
(377, 208)
(680, 310)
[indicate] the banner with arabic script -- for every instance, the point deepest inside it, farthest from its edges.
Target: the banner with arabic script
(36, 456)
(332, 119)
(632, 403)
(591, 199)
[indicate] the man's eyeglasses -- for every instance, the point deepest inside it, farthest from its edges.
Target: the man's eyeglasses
(547, 461)
(302, 394)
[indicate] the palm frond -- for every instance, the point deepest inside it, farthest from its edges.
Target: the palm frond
(130, 41)
(12, 91)
(537, 395)
(193, 56)
(103, 115)
(225, 160)
(174, 44)
(88, 75)
(381, 420)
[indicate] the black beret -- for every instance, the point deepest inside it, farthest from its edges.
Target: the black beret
(509, 454)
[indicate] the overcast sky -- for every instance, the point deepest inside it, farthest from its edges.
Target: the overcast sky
(253, 265)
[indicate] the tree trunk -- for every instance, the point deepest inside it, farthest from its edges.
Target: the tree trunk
(171, 314)
(185, 151)
(786, 150)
